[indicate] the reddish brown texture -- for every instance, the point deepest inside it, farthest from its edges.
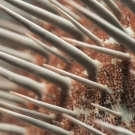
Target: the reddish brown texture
(115, 75)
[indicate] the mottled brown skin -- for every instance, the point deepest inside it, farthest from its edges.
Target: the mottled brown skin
(113, 73)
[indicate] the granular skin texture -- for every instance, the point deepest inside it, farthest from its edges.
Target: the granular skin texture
(114, 73)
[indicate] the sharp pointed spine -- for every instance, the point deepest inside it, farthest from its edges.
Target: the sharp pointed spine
(55, 109)
(103, 12)
(123, 38)
(82, 28)
(16, 53)
(23, 81)
(13, 27)
(114, 129)
(85, 126)
(115, 9)
(49, 49)
(37, 70)
(20, 40)
(45, 126)
(116, 114)
(28, 112)
(99, 87)
(47, 5)
(89, 64)
(49, 17)
(107, 51)
(65, 9)
(9, 97)
(12, 129)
